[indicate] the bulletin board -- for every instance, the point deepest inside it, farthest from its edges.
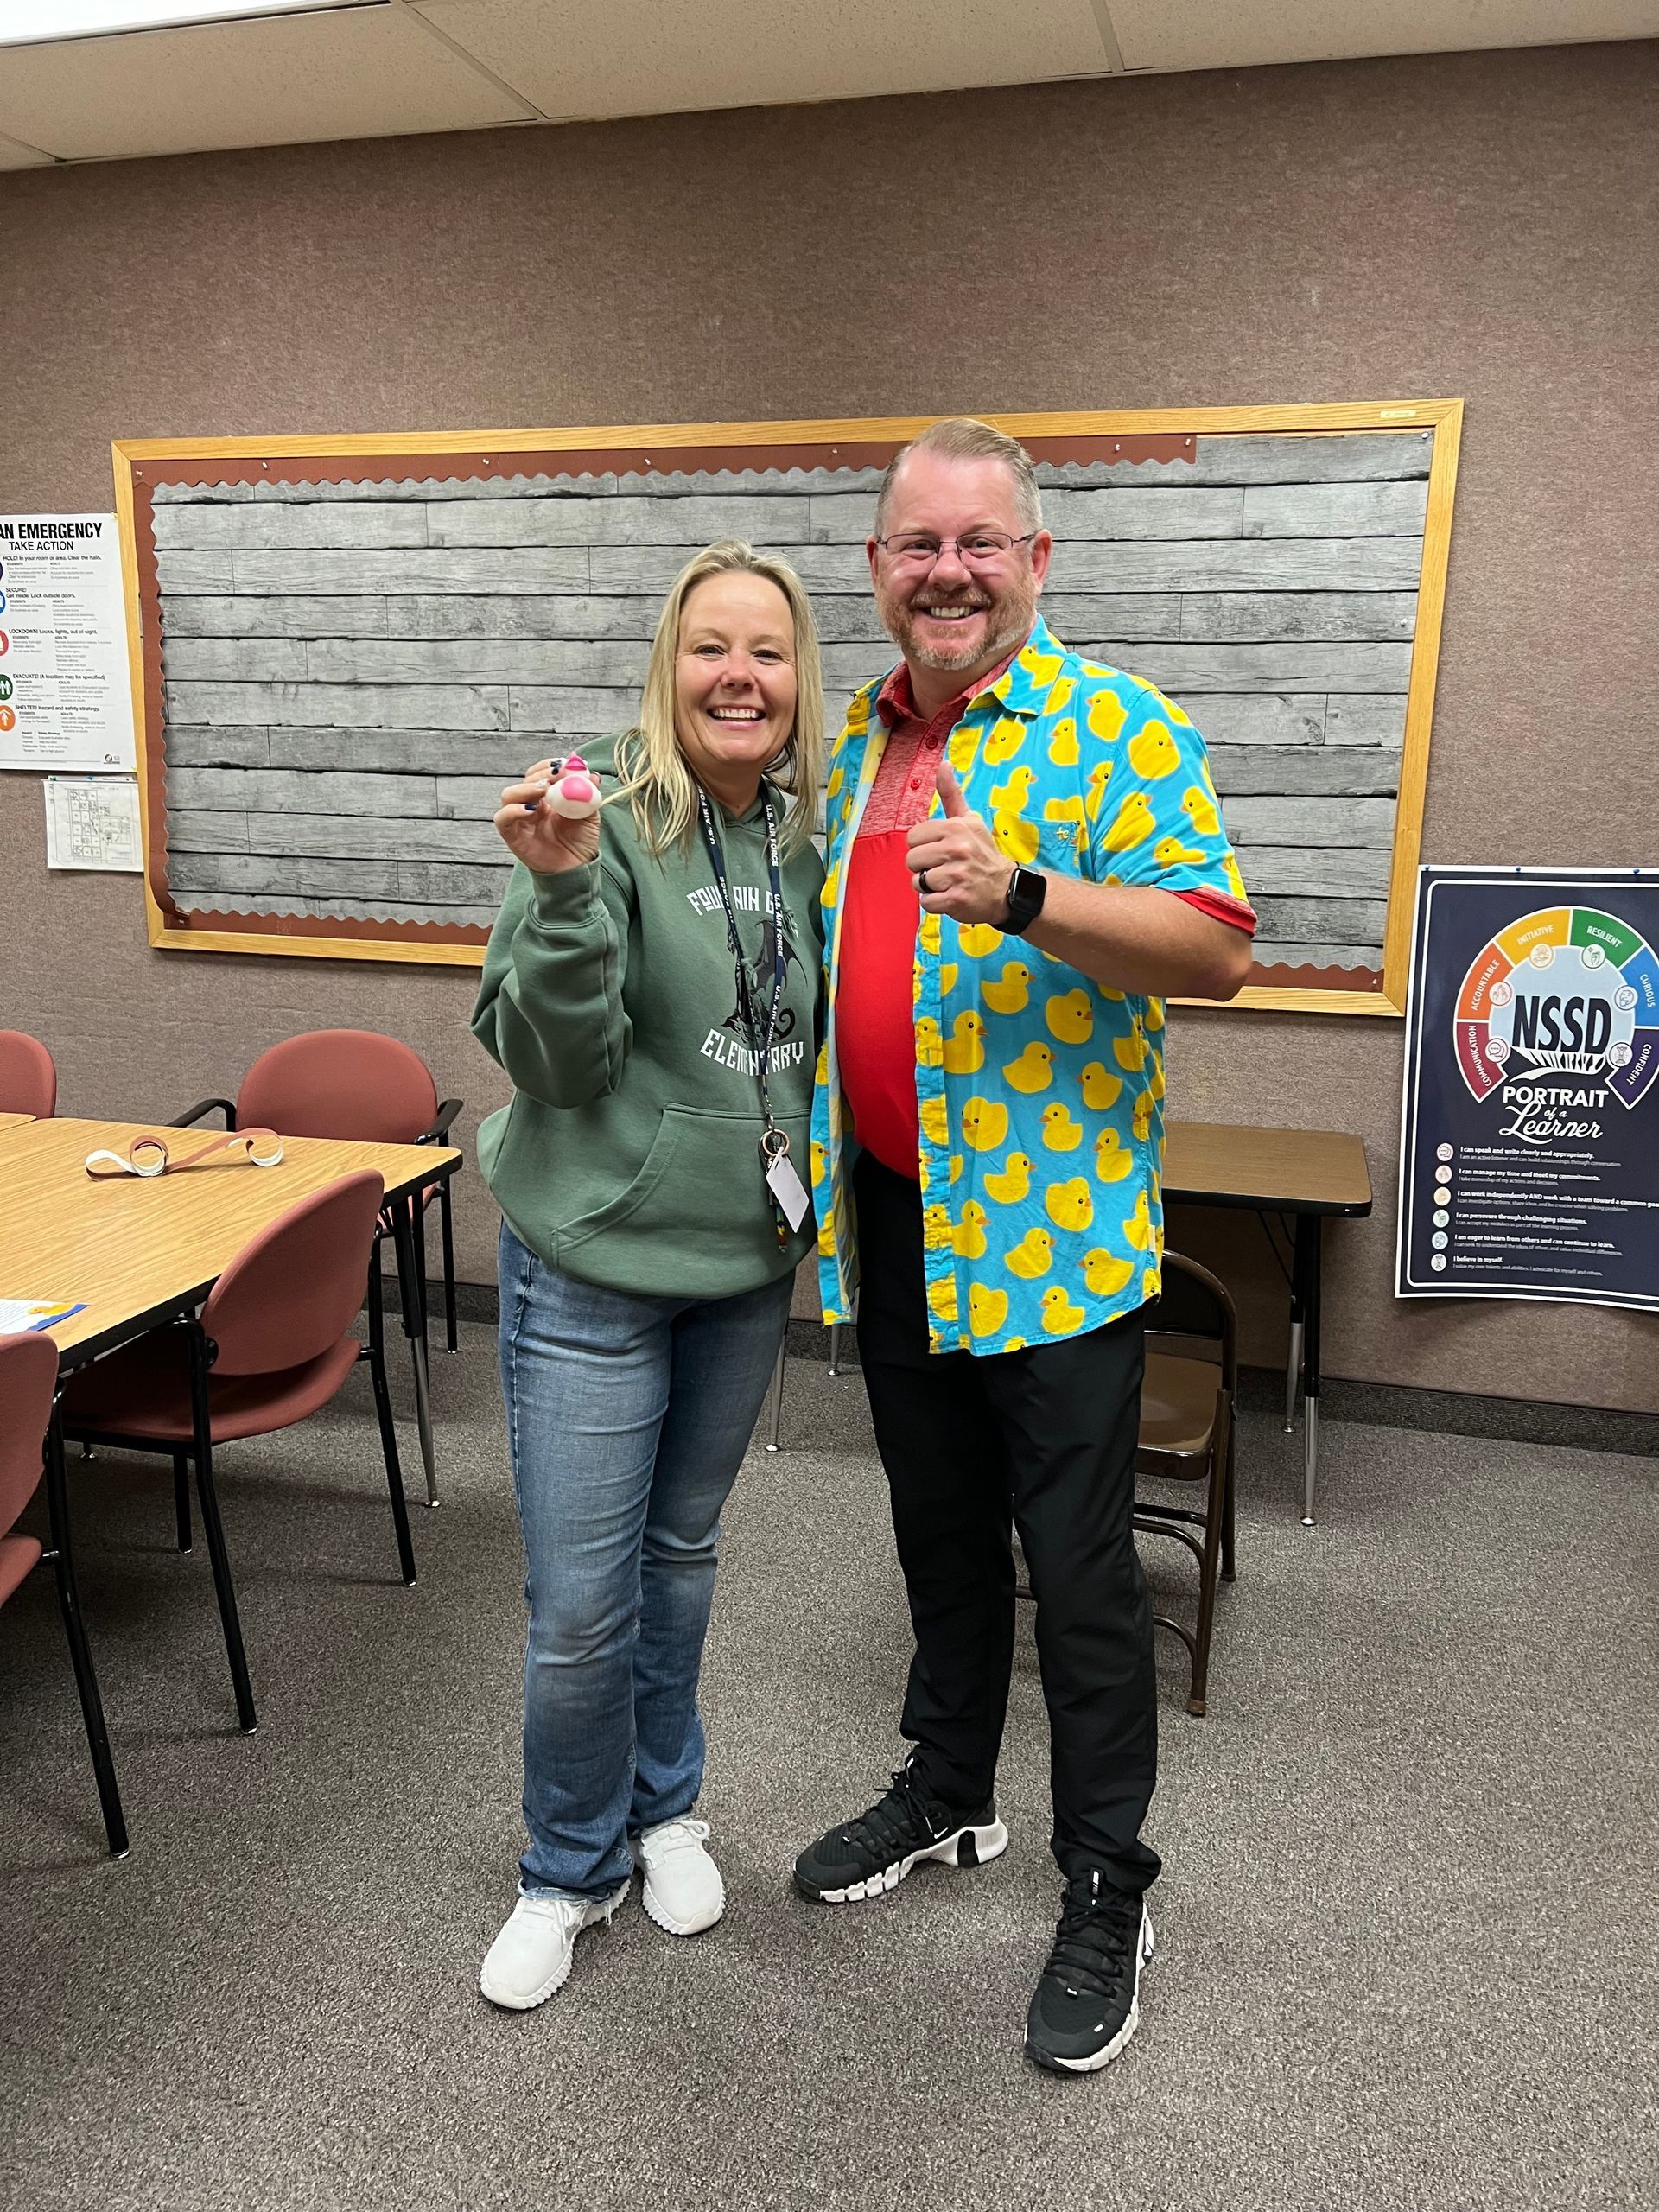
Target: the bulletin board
(343, 647)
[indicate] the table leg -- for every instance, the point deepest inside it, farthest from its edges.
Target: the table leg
(409, 1289)
(1293, 1371)
(1309, 1238)
(80, 1656)
(777, 1398)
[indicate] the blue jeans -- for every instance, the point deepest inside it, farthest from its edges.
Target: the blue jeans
(628, 1418)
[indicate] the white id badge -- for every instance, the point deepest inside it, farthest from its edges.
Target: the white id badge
(787, 1188)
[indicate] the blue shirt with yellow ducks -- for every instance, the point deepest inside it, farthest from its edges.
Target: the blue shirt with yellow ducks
(1039, 1092)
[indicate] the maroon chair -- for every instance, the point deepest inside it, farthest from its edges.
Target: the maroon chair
(28, 1438)
(357, 1084)
(29, 1081)
(272, 1345)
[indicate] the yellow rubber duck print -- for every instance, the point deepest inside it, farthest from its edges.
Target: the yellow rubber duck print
(928, 935)
(1010, 797)
(1133, 826)
(1113, 1159)
(1138, 1228)
(1062, 745)
(957, 1163)
(1069, 1017)
(984, 1123)
(979, 940)
(1060, 1132)
(831, 890)
(948, 973)
(1014, 1344)
(827, 1238)
(821, 1073)
(1100, 1090)
(820, 1162)
(1008, 996)
(930, 1045)
(1154, 752)
(935, 1126)
(1016, 836)
(1104, 1275)
(1170, 852)
(1004, 742)
(1235, 881)
(963, 1052)
(1130, 1052)
(1151, 1282)
(1155, 1083)
(1032, 1256)
(936, 1227)
(1140, 1117)
(1060, 1317)
(1034, 1071)
(967, 1239)
(1154, 1017)
(1042, 668)
(1059, 696)
(1064, 810)
(1097, 776)
(917, 973)
(1068, 1205)
(1107, 714)
(962, 747)
(941, 1298)
(1200, 810)
(1010, 1186)
(987, 1310)
(832, 789)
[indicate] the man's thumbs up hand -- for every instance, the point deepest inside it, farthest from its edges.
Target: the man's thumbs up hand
(959, 868)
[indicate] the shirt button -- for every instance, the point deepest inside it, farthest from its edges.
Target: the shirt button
(915, 783)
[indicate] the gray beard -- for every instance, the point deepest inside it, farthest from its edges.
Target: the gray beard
(946, 661)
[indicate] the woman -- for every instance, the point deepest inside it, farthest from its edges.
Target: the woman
(651, 987)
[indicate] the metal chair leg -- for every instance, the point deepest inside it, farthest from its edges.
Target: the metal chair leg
(80, 1655)
(181, 1497)
(778, 1396)
(447, 1227)
(377, 1356)
(225, 1589)
(1215, 1518)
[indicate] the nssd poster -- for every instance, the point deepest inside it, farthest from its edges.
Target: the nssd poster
(1529, 1134)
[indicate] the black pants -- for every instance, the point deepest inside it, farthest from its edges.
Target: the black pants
(1044, 1438)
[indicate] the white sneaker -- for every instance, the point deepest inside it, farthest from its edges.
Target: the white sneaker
(531, 1958)
(684, 1891)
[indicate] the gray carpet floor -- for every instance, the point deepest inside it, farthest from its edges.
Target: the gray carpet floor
(1405, 1931)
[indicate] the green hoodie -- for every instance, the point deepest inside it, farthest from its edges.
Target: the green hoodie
(631, 1153)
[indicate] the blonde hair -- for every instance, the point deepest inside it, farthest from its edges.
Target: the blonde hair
(656, 780)
(964, 437)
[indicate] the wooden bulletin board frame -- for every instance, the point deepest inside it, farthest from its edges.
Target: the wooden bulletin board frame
(1134, 434)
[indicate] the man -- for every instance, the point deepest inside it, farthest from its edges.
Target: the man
(1026, 856)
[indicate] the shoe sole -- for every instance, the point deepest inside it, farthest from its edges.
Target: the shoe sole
(602, 1918)
(666, 1921)
(1104, 2056)
(963, 1847)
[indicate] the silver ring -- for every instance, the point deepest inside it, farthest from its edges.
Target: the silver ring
(922, 883)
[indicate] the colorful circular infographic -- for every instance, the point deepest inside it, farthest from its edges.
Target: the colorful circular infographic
(1565, 990)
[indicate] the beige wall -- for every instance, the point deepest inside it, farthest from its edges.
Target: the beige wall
(1481, 226)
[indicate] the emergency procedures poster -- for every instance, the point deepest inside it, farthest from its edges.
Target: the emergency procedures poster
(65, 695)
(1529, 1139)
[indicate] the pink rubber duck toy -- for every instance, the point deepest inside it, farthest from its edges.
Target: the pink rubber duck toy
(573, 791)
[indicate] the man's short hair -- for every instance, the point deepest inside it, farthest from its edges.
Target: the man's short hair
(961, 437)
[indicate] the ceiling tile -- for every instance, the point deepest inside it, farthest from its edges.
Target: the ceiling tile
(576, 58)
(1222, 34)
(13, 157)
(361, 74)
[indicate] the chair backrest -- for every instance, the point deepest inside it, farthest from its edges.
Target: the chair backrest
(29, 1376)
(339, 1082)
(1194, 1307)
(294, 1290)
(29, 1081)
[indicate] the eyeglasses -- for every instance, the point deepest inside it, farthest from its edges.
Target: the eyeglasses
(915, 548)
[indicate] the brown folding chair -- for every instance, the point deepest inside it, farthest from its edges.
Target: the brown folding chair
(29, 1080)
(29, 1439)
(271, 1346)
(1188, 1405)
(357, 1084)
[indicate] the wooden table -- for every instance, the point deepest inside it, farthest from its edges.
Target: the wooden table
(13, 1121)
(139, 1250)
(1311, 1174)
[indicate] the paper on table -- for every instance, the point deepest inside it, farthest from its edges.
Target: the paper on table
(19, 1316)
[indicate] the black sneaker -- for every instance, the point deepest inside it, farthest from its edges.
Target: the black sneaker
(874, 1853)
(1087, 2004)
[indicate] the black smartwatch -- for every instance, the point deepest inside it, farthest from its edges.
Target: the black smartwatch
(1028, 889)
